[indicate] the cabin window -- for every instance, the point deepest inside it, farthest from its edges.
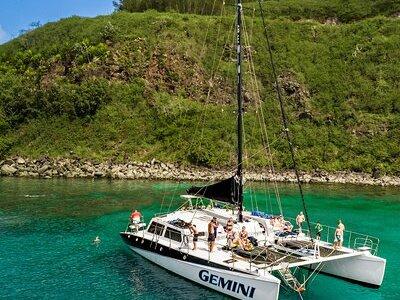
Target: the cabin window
(173, 234)
(156, 228)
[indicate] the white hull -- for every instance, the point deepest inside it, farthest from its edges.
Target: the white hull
(234, 284)
(366, 268)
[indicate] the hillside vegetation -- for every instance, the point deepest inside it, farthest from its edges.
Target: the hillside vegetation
(342, 10)
(138, 86)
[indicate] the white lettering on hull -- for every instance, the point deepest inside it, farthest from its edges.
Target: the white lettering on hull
(227, 284)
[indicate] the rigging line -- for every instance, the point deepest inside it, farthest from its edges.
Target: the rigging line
(218, 32)
(316, 270)
(203, 112)
(202, 53)
(213, 67)
(258, 102)
(173, 195)
(284, 117)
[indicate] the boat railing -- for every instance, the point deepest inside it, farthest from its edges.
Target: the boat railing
(351, 239)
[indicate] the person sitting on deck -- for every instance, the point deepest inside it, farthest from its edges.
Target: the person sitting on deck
(232, 239)
(247, 245)
(243, 237)
(211, 234)
(287, 226)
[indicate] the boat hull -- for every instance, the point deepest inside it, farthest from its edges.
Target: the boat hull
(365, 269)
(234, 284)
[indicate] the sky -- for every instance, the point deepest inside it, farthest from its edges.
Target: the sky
(16, 15)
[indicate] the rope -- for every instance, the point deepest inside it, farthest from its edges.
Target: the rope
(284, 117)
(257, 96)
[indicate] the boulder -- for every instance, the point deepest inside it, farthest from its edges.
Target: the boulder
(43, 169)
(8, 170)
(20, 161)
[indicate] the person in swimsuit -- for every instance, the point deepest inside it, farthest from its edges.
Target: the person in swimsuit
(338, 238)
(135, 217)
(341, 226)
(243, 236)
(318, 230)
(211, 234)
(214, 219)
(229, 231)
(195, 232)
(300, 219)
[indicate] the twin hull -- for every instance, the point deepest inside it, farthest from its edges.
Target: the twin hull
(237, 285)
(365, 269)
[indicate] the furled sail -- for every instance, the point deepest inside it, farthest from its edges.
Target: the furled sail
(225, 190)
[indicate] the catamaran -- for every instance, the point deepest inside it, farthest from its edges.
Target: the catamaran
(278, 255)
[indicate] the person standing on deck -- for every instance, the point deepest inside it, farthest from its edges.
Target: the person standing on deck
(300, 219)
(195, 232)
(214, 219)
(338, 238)
(211, 234)
(229, 231)
(318, 230)
(135, 217)
(342, 228)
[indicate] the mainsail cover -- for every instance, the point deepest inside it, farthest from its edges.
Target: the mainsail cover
(225, 190)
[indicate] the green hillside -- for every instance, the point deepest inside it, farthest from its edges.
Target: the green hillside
(135, 85)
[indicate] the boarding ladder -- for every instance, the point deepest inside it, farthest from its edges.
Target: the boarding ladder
(290, 280)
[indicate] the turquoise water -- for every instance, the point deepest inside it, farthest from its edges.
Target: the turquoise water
(47, 228)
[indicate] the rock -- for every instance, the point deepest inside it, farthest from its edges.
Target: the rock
(8, 170)
(43, 169)
(23, 174)
(99, 174)
(120, 175)
(20, 161)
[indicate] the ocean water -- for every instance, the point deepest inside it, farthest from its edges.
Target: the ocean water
(47, 228)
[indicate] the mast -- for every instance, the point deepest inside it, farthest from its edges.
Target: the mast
(239, 172)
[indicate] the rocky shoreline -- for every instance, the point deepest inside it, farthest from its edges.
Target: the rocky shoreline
(155, 170)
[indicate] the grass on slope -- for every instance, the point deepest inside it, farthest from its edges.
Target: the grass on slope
(135, 85)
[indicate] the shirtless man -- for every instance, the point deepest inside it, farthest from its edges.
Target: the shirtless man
(338, 238)
(212, 227)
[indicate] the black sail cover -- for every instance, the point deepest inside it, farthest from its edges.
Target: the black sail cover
(225, 190)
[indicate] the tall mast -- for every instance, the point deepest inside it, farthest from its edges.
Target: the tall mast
(240, 108)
